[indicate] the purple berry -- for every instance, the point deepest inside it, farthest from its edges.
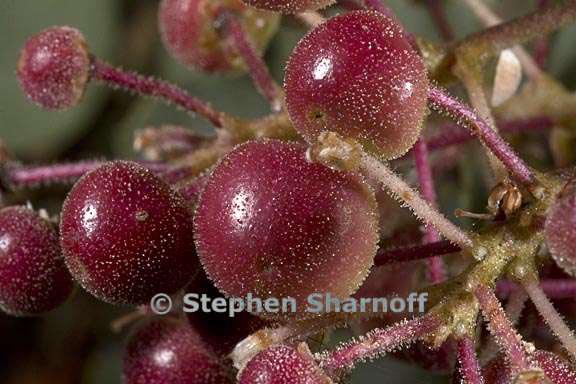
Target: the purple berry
(33, 277)
(169, 351)
(283, 365)
(54, 68)
(271, 223)
(289, 6)
(560, 229)
(126, 235)
(189, 31)
(357, 75)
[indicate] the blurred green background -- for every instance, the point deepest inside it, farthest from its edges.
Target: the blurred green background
(74, 344)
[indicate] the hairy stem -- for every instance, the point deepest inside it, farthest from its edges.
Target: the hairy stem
(424, 211)
(468, 364)
(147, 86)
(256, 66)
(435, 267)
(491, 41)
(502, 330)
(66, 173)
(454, 135)
(444, 103)
(416, 252)
(377, 343)
(550, 314)
(514, 307)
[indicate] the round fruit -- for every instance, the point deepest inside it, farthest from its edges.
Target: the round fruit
(189, 31)
(358, 76)
(560, 229)
(126, 235)
(283, 365)
(169, 351)
(33, 277)
(272, 224)
(54, 68)
(289, 6)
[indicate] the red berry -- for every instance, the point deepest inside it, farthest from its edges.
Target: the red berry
(273, 224)
(33, 277)
(357, 75)
(189, 31)
(560, 229)
(54, 68)
(126, 235)
(169, 351)
(289, 6)
(283, 365)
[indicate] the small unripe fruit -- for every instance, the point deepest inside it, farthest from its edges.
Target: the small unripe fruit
(358, 75)
(126, 235)
(169, 351)
(289, 6)
(283, 365)
(189, 31)
(33, 277)
(560, 229)
(54, 68)
(271, 223)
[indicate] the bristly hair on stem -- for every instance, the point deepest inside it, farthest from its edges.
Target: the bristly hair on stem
(442, 102)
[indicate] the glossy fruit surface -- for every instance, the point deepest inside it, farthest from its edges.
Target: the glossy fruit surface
(283, 365)
(169, 351)
(273, 224)
(33, 277)
(189, 31)
(54, 68)
(560, 229)
(126, 235)
(357, 75)
(289, 6)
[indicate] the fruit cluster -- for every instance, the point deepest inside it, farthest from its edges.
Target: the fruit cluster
(290, 204)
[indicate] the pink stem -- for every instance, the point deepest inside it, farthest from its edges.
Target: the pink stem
(502, 330)
(444, 103)
(436, 11)
(468, 364)
(377, 343)
(453, 135)
(426, 181)
(67, 173)
(554, 288)
(256, 66)
(550, 315)
(417, 252)
(155, 88)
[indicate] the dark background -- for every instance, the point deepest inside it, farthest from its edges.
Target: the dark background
(75, 344)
